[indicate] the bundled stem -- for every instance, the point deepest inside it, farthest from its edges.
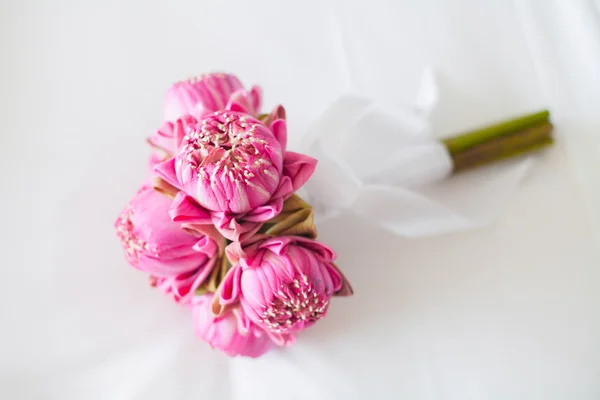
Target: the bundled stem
(465, 141)
(531, 139)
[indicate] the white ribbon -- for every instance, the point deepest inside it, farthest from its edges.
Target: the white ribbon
(385, 166)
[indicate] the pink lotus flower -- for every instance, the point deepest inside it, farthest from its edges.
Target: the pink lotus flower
(233, 170)
(284, 284)
(208, 93)
(199, 97)
(155, 244)
(231, 332)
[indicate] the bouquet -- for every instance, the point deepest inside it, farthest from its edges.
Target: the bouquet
(219, 227)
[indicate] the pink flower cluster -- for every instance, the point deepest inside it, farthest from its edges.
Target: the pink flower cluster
(199, 228)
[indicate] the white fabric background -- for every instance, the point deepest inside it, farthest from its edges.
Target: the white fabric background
(511, 311)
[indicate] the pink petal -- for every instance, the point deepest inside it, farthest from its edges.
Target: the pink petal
(166, 170)
(298, 167)
(325, 252)
(282, 339)
(235, 251)
(185, 209)
(199, 230)
(233, 230)
(277, 244)
(280, 131)
(163, 138)
(336, 278)
(244, 251)
(185, 285)
(229, 290)
(179, 129)
(266, 212)
(285, 189)
(232, 106)
(244, 323)
(256, 97)
(240, 101)
(207, 246)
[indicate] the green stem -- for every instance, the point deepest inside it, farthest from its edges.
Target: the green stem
(473, 138)
(504, 147)
(516, 152)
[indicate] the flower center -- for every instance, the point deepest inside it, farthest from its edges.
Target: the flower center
(301, 304)
(230, 145)
(134, 246)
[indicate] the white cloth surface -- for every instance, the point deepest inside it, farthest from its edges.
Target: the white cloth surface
(510, 311)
